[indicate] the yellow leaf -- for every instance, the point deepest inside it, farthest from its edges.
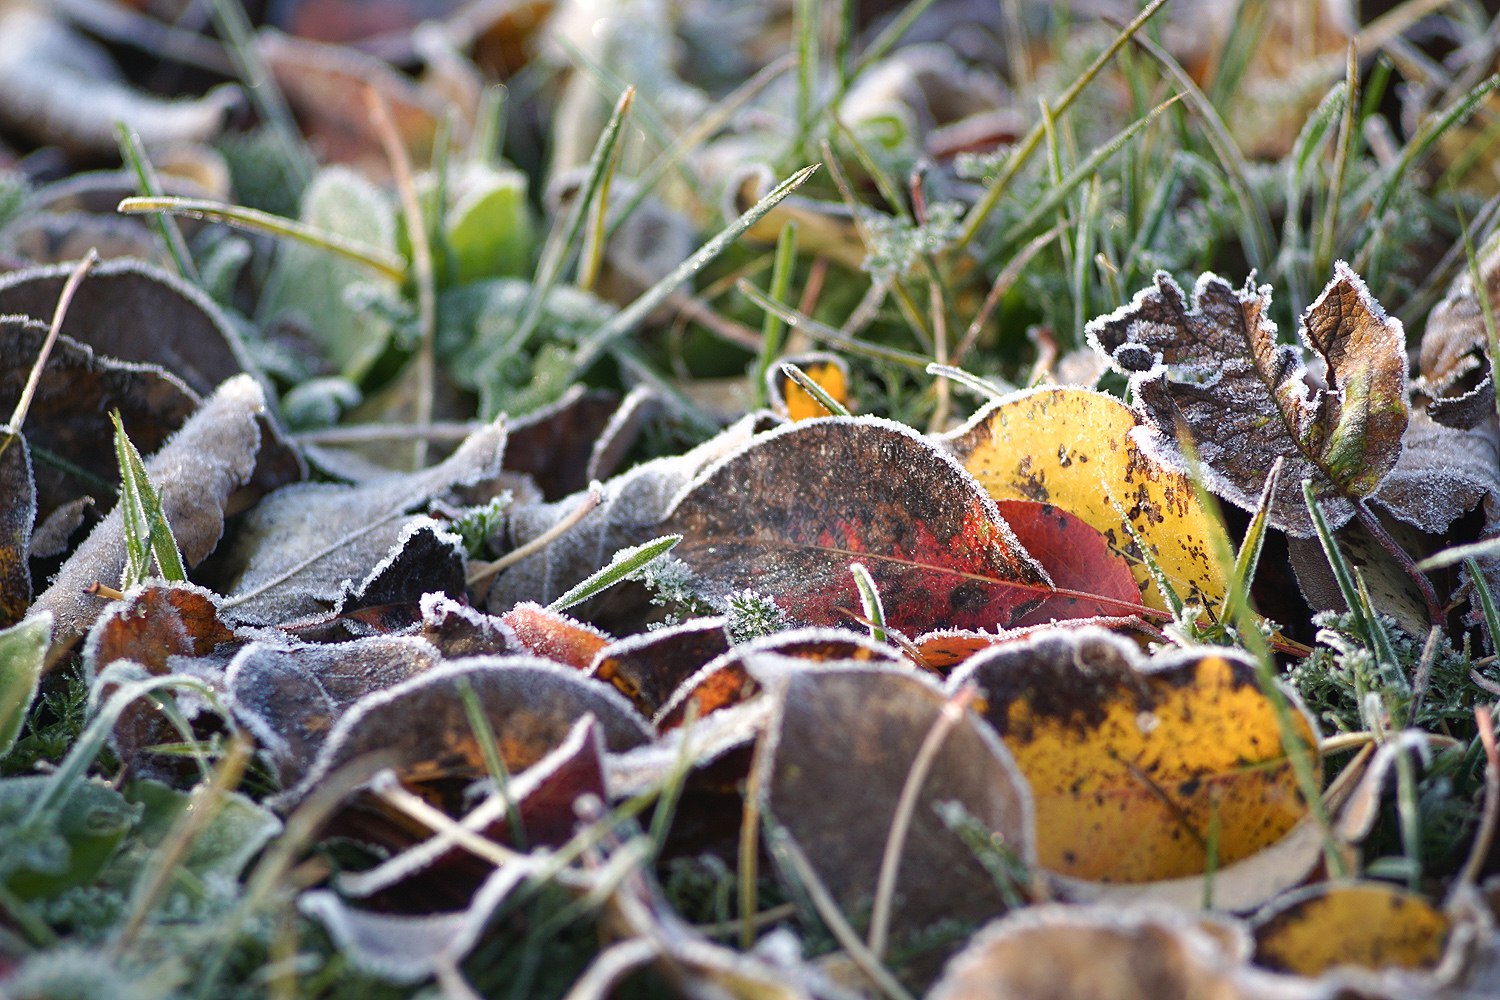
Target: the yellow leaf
(827, 370)
(1072, 448)
(1367, 924)
(1141, 770)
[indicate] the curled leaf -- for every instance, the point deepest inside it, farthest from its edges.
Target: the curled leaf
(1215, 373)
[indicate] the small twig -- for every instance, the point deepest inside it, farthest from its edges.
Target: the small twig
(64, 299)
(906, 805)
(103, 591)
(1435, 616)
(479, 572)
(422, 270)
(1424, 673)
(1479, 850)
(367, 433)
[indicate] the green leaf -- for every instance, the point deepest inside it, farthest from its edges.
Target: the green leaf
(23, 650)
(147, 533)
(46, 851)
(490, 230)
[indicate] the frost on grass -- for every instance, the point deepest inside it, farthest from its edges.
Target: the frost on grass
(301, 543)
(1216, 371)
(194, 473)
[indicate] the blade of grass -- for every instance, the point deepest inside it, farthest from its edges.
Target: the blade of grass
(146, 527)
(489, 747)
(772, 327)
(383, 262)
(1033, 138)
(623, 564)
(133, 153)
(813, 389)
(627, 319)
(874, 610)
(59, 313)
(1248, 558)
(1323, 259)
(828, 335)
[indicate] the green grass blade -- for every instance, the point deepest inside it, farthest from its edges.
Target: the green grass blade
(813, 389)
(625, 563)
(147, 533)
(773, 327)
(148, 185)
(628, 318)
(388, 264)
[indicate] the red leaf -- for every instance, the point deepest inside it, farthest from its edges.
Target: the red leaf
(1077, 557)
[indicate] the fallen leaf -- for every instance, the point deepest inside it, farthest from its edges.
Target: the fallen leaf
(300, 543)
(555, 636)
(290, 695)
(60, 88)
(945, 649)
(194, 472)
(457, 630)
(17, 517)
(1077, 450)
(1368, 924)
(1215, 372)
(424, 560)
(531, 705)
(1454, 356)
(1103, 953)
(727, 680)
(129, 310)
(789, 399)
(554, 445)
(787, 515)
(1138, 765)
(832, 769)
(69, 414)
(647, 668)
(1077, 557)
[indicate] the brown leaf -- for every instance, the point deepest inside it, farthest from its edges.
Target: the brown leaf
(1216, 373)
(789, 514)
(554, 635)
(69, 415)
(727, 680)
(17, 516)
(531, 705)
(129, 310)
(458, 630)
(194, 472)
(300, 543)
(648, 667)
(831, 771)
(1102, 953)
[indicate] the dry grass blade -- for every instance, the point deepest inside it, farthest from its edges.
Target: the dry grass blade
(18, 415)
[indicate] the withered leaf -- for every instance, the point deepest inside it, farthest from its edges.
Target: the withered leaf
(17, 518)
(1077, 557)
(1214, 372)
(1135, 763)
(1454, 357)
(726, 680)
(133, 311)
(789, 514)
(531, 705)
(832, 769)
(555, 636)
(290, 695)
(1105, 953)
(425, 560)
(1076, 449)
(458, 630)
(69, 415)
(647, 668)
(554, 445)
(300, 543)
(1373, 925)
(61, 88)
(194, 472)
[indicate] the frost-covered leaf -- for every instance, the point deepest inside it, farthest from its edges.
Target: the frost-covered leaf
(423, 723)
(647, 668)
(458, 630)
(1138, 765)
(69, 415)
(61, 88)
(844, 740)
(1454, 357)
(23, 647)
(1106, 953)
(129, 310)
(489, 227)
(195, 471)
(554, 636)
(1214, 371)
(290, 695)
(787, 515)
(301, 543)
(315, 288)
(1368, 924)
(17, 519)
(1078, 451)
(426, 559)
(63, 845)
